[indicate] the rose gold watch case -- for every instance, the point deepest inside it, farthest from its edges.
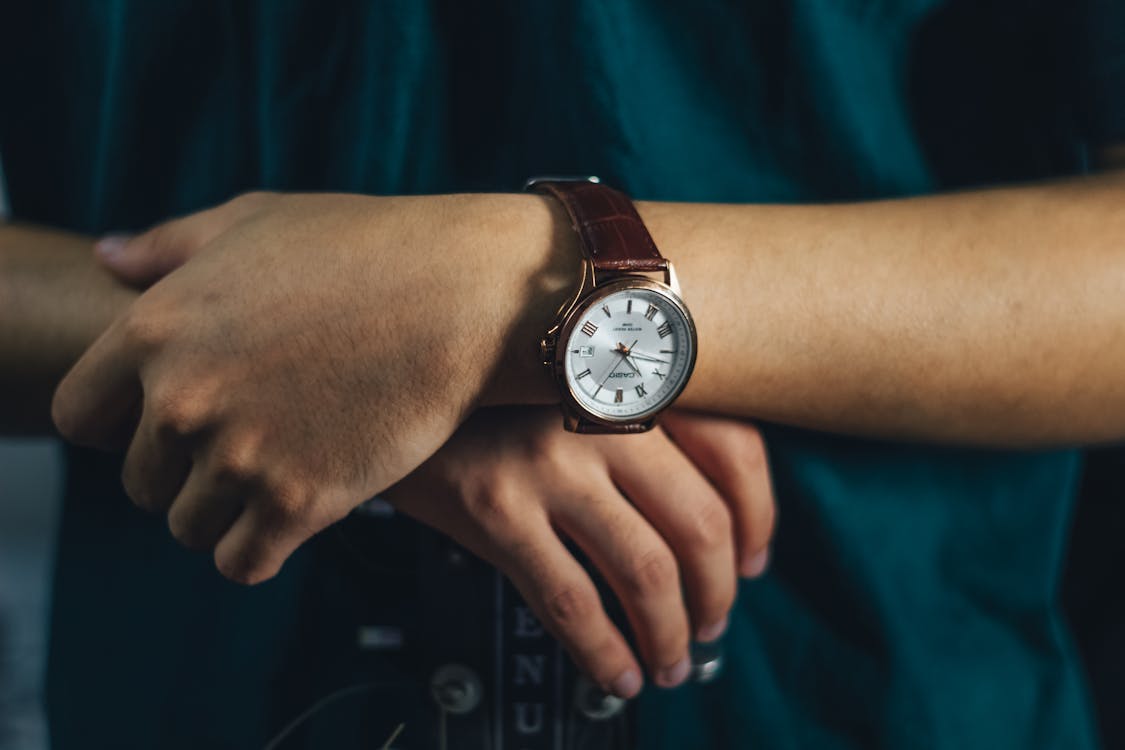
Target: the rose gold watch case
(576, 417)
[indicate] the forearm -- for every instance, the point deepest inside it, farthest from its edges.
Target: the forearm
(54, 301)
(995, 316)
(992, 316)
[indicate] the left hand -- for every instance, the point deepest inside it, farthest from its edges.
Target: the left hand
(665, 517)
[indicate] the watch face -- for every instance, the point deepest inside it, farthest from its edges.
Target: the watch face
(629, 354)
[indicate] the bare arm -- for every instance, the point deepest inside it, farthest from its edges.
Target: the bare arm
(54, 301)
(993, 316)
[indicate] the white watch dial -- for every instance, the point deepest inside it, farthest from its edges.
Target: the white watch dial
(629, 354)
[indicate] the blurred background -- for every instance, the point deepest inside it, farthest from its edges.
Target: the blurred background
(30, 487)
(29, 500)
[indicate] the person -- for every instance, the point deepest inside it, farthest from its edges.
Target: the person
(914, 605)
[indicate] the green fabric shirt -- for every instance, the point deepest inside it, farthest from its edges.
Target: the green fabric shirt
(912, 600)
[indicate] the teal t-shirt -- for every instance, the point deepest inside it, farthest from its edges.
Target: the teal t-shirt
(912, 599)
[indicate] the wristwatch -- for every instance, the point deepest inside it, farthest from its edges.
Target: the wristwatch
(623, 347)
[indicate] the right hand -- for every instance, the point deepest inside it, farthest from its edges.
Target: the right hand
(667, 517)
(313, 351)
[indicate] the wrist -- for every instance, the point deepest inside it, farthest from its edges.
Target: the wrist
(528, 239)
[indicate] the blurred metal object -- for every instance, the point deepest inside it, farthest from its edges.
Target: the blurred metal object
(706, 661)
(375, 507)
(379, 638)
(594, 703)
(456, 688)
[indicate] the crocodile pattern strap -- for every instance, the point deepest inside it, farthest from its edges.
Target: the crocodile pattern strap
(613, 235)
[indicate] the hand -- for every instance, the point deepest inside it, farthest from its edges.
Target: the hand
(314, 351)
(511, 481)
(664, 516)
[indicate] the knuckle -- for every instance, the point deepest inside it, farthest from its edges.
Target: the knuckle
(711, 526)
(651, 574)
(236, 462)
(178, 410)
(494, 507)
(144, 327)
(287, 504)
(570, 607)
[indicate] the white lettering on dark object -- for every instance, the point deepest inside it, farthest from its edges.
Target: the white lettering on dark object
(529, 718)
(526, 624)
(530, 665)
(529, 669)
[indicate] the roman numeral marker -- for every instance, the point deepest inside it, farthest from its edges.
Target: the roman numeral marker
(605, 309)
(667, 351)
(665, 329)
(589, 328)
(641, 392)
(629, 307)
(582, 374)
(617, 396)
(651, 312)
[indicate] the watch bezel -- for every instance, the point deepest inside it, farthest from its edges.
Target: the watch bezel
(573, 408)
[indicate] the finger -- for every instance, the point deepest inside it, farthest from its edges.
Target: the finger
(556, 587)
(640, 568)
(146, 258)
(566, 601)
(733, 456)
(202, 514)
(685, 509)
(258, 543)
(156, 466)
(98, 399)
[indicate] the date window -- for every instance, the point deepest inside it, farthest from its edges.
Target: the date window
(585, 351)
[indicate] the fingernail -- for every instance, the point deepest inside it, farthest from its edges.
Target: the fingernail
(712, 631)
(627, 684)
(755, 565)
(111, 245)
(670, 677)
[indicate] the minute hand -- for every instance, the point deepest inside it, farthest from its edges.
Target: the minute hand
(638, 355)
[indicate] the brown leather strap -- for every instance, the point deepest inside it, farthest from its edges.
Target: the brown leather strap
(593, 428)
(613, 235)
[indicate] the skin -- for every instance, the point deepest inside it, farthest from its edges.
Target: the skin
(990, 317)
(505, 486)
(55, 299)
(653, 548)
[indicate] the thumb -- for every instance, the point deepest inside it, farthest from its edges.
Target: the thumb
(138, 261)
(144, 259)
